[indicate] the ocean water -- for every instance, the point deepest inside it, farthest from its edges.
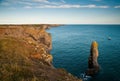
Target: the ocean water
(71, 49)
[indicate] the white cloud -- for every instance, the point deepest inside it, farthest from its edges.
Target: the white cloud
(42, 1)
(46, 1)
(59, 6)
(48, 4)
(117, 6)
(93, 6)
(25, 3)
(28, 7)
(71, 6)
(103, 6)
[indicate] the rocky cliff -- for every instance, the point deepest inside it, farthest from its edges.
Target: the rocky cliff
(93, 66)
(25, 55)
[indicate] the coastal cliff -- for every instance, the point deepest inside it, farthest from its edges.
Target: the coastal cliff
(25, 55)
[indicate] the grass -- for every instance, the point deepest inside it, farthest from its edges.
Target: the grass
(16, 65)
(14, 62)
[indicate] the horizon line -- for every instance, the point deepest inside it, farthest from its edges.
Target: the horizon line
(56, 23)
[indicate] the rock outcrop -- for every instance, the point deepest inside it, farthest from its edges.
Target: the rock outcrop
(93, 66)
(25, 55)
(37, 37)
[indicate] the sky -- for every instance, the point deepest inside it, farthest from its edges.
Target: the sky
(59, 11)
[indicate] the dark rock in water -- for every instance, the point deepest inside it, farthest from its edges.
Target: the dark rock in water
(109, 38)
(85, 77)
(93, 66)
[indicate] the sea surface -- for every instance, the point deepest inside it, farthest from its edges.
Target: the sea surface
(71, 49)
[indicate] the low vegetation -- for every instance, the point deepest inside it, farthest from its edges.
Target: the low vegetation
(20, 60)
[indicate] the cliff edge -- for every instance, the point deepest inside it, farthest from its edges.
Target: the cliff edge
(25, 55)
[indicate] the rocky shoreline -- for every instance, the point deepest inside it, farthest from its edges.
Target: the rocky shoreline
(25, 54)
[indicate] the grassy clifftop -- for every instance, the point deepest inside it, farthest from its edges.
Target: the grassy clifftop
(25, 56)
(14, 62)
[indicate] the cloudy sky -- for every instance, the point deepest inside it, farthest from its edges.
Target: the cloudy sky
(60, 11)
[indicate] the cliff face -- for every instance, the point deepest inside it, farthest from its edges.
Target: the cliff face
(25, 55)
(38, 38)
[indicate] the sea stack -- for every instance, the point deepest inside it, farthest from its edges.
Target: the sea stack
(93, 66)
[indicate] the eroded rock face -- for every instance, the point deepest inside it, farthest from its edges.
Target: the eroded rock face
(93, 66)
(37, 37)
(24, 55)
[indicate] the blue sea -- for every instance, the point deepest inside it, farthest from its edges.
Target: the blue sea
(71, 49)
